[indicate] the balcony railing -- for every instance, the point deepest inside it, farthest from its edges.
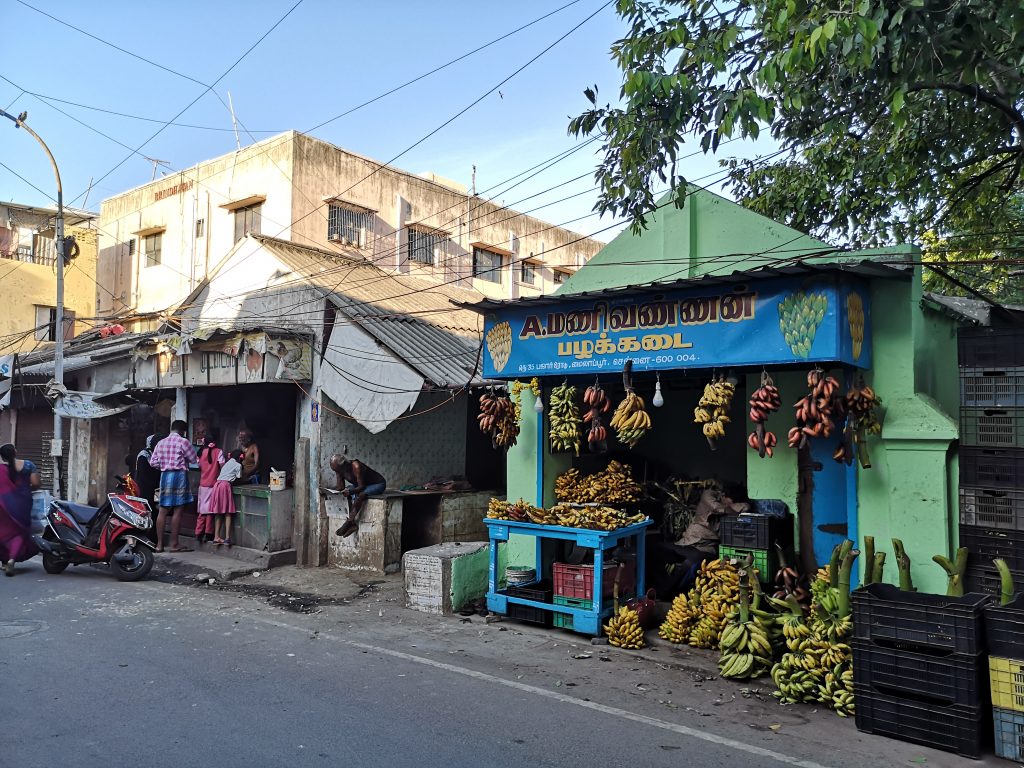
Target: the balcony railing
(42, 252)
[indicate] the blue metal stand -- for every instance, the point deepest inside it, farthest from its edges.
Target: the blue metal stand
(587, 622)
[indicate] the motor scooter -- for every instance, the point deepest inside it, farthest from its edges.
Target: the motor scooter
(115, 533)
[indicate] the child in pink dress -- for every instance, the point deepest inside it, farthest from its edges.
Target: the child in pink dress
(211, 458)
(222, 501)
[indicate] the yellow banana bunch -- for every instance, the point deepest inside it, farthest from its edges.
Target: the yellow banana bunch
(594, 518)
(712, 410)
(623, 629)
(679, 620)
(565, 430)
(630, 420)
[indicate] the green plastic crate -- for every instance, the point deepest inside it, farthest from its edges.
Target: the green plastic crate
(564, 620)
(765, 561)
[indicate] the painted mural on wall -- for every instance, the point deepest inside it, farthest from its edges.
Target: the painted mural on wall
(772, 322)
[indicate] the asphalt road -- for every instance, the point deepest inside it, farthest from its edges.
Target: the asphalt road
(99, 673)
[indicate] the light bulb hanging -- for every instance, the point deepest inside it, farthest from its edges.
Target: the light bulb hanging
(538, 404)
(658, 400)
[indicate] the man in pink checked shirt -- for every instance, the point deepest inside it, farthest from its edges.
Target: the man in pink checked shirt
(172, 456)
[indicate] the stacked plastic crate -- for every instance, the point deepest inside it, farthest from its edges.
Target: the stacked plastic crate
(759, 536)
(1004, 626)
(920, 668)
(574, 587)
(992, 454)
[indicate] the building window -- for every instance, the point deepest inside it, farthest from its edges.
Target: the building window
(528, 273)
(487, 265)
(131, 246)
(560, 276)
(247, 220)
(46, 323)
(200, 227)
(153, 245)
(348, 225)
(426, 247)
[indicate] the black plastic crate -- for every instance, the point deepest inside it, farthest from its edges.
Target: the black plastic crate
(529, 614)
(991, 467)
(992, 387)
(951, 728)
(539, 591)
(1004, 627)
(884, 613)
(991, 347)
(992, 507)
(992, 427)
(984, 544)
(948, 678)
(983, 579)
(756, 532)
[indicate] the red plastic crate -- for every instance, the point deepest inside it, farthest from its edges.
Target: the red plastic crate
(577, 581)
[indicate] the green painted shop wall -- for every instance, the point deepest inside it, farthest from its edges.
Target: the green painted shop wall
(709, 235)
(522, 478)
(469, 577)
(907, 492)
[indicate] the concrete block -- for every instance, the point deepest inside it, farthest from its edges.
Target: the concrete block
(443, 578)
(376, 546)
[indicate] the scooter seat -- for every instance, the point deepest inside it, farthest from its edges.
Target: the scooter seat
(81, 512)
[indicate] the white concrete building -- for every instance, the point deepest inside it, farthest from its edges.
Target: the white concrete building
(159, 241)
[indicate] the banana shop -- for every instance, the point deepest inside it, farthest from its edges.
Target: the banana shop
(629, 403)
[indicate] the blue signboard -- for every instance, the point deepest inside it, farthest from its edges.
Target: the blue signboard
(772, 322)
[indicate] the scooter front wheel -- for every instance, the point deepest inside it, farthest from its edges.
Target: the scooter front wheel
(53, 564)
(135, 567)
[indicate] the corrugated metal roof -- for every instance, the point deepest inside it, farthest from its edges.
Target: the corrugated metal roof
(973, 311)
(417, 319)
(867, 269)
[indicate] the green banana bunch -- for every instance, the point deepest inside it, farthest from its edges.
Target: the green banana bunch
(564, 420)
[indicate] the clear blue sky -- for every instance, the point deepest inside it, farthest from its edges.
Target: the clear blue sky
(325, 58)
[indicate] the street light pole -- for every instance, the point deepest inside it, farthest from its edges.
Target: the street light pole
(57, 446)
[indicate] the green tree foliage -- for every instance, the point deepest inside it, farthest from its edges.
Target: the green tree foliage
(894, 118)
(983, 257)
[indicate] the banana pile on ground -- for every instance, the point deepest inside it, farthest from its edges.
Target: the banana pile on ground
(715, 594)
(713, 409)
(497, 419)
(745, 643)
(597, 399)
(679, 620)
(630, 420)
(596, 518)
(519, 511)
(815, 415)
(623, 629)
(765, 401)
(564, 418)
(612, 486)
(819, 665)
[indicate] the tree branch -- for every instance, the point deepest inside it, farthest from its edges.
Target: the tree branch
(981, 95)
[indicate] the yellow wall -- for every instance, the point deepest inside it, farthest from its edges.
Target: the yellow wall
(23, 286)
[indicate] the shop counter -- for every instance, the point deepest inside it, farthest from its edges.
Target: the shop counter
(263, 518)
(583, 620)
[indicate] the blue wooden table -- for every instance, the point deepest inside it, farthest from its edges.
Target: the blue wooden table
(585, 621)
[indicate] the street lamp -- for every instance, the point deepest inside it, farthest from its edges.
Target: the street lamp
(57, 445)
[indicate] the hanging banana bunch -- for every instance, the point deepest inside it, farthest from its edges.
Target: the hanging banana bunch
(630, 420)
(497, 419)
(713, 409)
(564, 420)
(765, 401)
(600, 405)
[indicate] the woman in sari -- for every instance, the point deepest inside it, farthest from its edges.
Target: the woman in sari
(18, 478)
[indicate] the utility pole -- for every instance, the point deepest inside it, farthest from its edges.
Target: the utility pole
(57, 445)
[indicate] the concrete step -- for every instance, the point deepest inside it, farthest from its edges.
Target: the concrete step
(254, 557)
